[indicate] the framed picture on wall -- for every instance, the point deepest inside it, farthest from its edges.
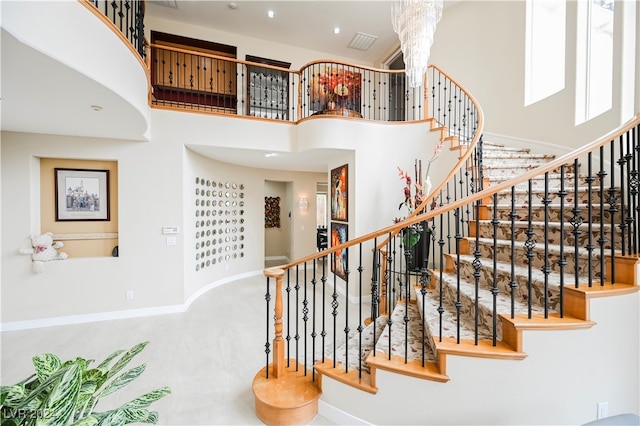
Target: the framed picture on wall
(81, 194)
(339, 193)
(339, 259)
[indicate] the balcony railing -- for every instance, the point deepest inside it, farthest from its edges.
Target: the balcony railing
(190, 80)
(128, 17)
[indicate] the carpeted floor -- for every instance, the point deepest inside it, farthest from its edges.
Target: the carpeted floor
(207, 355)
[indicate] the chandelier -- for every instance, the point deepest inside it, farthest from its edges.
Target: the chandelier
(415, 23)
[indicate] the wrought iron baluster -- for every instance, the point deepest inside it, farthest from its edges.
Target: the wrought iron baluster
(346, 308)
(288, 338)
(456, 214)
(297, 335)
(334, 306)
(623, 224)
(267, 345)
(529, 245)
(305, 317)
(635, 181)
(494, 285)
(477, 266)
(546, 269)
(601, 240)
(576, 222)
(314, 281)
(323, 279)
(612, 200)
(630, 195)
(590, 247)
(563, 262)
(512, 219)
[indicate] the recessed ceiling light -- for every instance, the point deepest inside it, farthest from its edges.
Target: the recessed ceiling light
(96, 107)
(336, 30)
(270, 154)
(271, 14)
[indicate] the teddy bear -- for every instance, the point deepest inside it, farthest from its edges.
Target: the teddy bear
(43, 249)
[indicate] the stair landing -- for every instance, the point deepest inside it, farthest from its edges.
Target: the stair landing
(287, 400)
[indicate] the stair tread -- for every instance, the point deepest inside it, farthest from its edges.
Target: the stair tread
(536, 274)
(554, 248)
(414, 341)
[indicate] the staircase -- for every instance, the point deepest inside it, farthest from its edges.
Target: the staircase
(526, 250)
(513, 289)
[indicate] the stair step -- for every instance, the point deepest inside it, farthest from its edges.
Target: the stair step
(485, 303)
(429, 304)
(355, 349)
(511, 170)
(400, 337)
(502, 251)
(289, 399)
(584, 196)
(495, 158)
(554, 235)
(538, 181)
(526, 287)
(538, 212)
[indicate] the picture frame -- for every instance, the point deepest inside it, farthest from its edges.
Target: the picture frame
(82, 195)
(340, 193)
(339, 262)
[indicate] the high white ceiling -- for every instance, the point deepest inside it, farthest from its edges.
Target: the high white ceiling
(307, 24)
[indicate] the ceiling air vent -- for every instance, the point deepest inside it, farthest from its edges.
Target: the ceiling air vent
(362, 41)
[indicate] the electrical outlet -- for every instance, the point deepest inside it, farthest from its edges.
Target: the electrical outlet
(129, 294)
(603, 410)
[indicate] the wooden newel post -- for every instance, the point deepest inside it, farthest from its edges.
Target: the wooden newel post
(278, 341)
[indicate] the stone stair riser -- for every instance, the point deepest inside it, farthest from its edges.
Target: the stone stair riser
(504, 254)
(506, 170)
(521, 291)
(537, 196)
(537, 213)
(553, 236)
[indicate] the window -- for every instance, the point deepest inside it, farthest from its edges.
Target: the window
(545, 49)
(594, 61)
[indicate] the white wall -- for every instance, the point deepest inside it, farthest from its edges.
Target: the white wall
(495, 75)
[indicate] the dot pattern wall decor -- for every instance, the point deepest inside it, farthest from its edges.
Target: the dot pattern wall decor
(219, 219)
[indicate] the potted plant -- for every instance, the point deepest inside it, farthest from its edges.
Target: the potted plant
(66, 393)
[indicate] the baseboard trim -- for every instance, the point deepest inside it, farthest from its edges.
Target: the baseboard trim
(337, 416)
(115, 315)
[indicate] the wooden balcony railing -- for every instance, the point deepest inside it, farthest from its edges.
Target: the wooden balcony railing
(190, 80)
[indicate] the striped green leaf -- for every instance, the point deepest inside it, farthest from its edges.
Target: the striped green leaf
(141, 416)
(11, 396)
(122, 380)
(126, 358)
(60, 405)
(147, 399)
(45, 365)
(104, 365)
(90, 420)
(113, 418)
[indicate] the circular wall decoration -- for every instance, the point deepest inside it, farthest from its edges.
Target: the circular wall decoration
(219, 203)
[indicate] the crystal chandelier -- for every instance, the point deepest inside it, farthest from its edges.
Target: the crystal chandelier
(415, 23)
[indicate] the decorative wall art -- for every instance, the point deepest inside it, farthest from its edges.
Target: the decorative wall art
(339, 193)
(219, 220)
(272, 212)
(339, 259)
(81, 194)
(335, 88)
